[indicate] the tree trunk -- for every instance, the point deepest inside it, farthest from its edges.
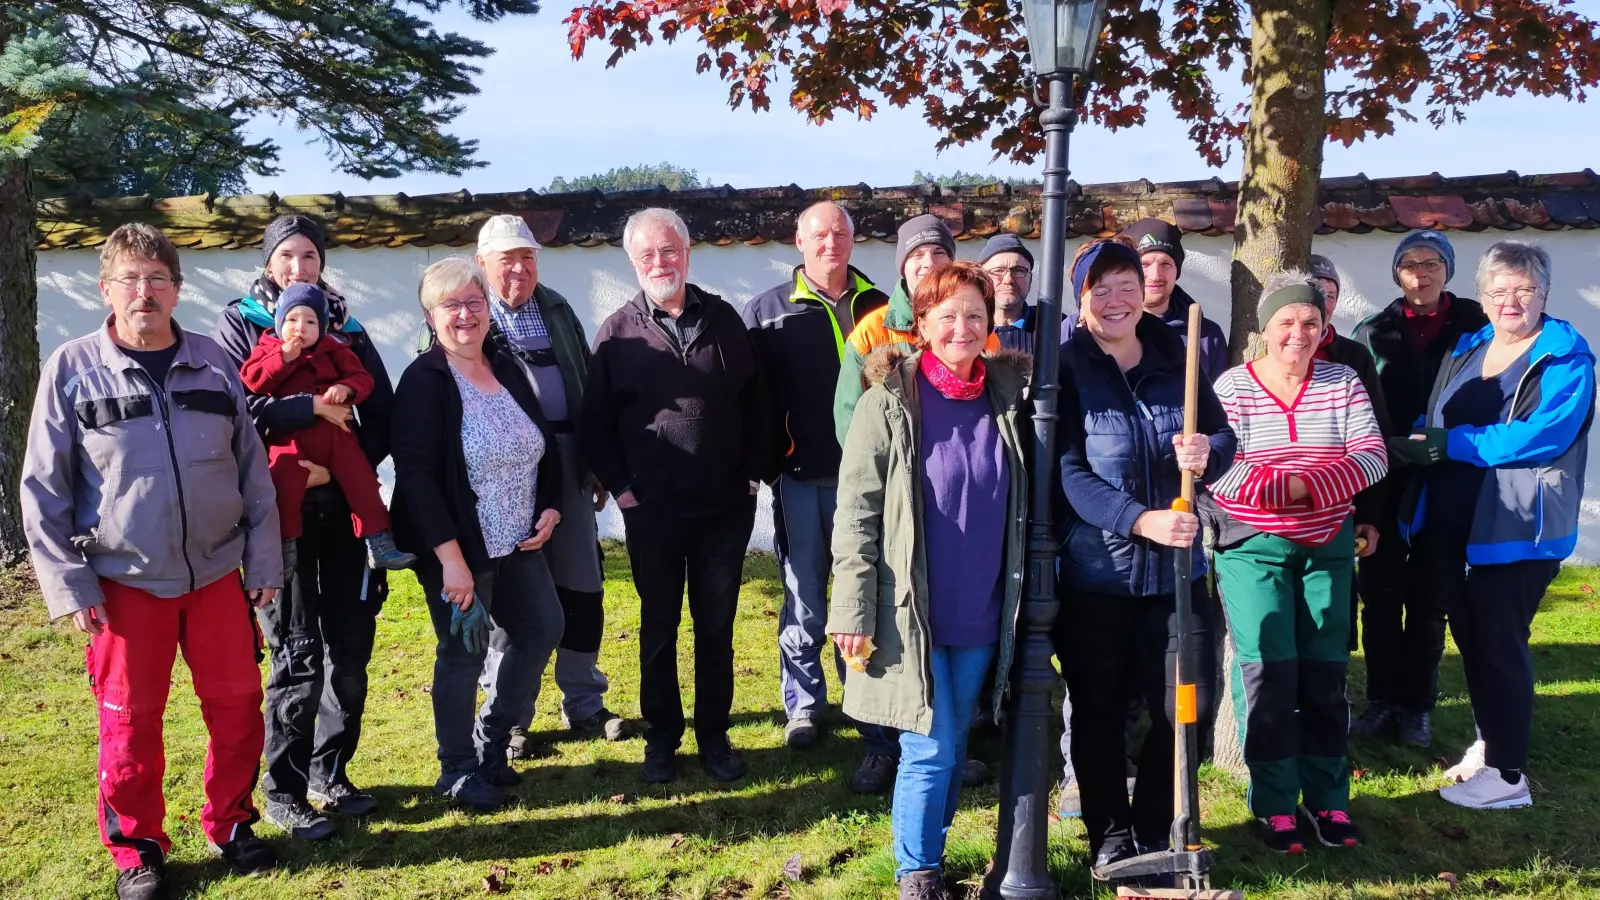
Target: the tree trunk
(1277, 200)
(19, 345)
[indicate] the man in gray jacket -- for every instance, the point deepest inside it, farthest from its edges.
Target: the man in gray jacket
(144, 491)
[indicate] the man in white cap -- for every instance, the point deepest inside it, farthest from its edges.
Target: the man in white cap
(544, 331)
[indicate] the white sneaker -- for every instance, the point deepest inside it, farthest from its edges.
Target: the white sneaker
(1487, 790)
(1470, 763)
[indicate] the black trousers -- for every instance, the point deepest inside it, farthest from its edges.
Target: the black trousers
(1402, 624)
(1491, 610)
(1114, 649)
(706, 554)
(319, 632)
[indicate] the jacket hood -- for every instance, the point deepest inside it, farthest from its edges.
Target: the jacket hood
(883, 361)
(256, 314)
(899, 317)
(1557, 338)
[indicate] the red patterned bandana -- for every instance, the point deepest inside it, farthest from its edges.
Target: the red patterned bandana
(949, 383)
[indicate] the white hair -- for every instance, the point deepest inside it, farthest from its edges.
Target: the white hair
(1522, 257)
(447, 276)
(654, 214)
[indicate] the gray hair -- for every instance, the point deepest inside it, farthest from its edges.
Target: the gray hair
(1287, 278)
(654, 214)
(445, 277)
(1520, 257)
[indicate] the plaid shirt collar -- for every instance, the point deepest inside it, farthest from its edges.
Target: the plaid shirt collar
(520, 324)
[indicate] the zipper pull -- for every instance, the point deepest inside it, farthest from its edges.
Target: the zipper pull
(1144, 411)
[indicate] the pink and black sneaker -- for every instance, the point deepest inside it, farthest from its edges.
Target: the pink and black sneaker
(1281, 834)
(1332, 827)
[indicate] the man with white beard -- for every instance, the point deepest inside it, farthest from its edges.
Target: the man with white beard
(677, 425)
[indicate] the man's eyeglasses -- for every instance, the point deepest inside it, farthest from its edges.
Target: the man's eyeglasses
(1523, 296)
(665, 254)
(1017, 273)
(1431, 266)
(454, 307)
(154, 282)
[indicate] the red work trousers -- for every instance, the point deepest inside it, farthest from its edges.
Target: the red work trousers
(130, 669)
(330, 446)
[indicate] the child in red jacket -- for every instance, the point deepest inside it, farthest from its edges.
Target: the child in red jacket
(300, 359)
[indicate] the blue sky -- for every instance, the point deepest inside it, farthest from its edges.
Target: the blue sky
(539, 115)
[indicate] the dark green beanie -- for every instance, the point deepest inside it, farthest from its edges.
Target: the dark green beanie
(1288, 296)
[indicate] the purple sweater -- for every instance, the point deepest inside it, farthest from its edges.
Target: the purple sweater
(964, 489)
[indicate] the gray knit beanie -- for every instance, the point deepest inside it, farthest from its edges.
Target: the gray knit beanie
(918, 232)
(284, 227)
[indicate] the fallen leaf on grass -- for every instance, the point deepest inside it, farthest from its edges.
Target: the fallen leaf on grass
(1406, 822)
(335, 885)
(841, 857)
(1054, 817)
(386, 836)
(1586, 589)
(732, 890)
(619, 798)
(1453, 832)
(427, 689)
(544, 868)
(493, 885)
(1493, 884)
(623, 636)
(793, 868)
(769, 613)
(566, 862)
(1358, 774)
(677, 840)
(1449, 878)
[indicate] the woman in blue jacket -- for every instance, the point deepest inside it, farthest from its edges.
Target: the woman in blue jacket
(1122, 452)
(1505, 438)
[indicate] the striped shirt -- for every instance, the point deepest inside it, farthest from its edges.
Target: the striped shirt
(1328, 437)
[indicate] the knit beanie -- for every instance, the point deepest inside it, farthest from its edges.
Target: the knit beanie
(284, 227)
(918, 232)
(1289, 295)
(1004, 243)
(307, 295)
(1151, 235)
(1114, 250)
(1322, 267)
(1431, 239)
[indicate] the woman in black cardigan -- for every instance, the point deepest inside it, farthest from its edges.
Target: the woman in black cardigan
(477, 494)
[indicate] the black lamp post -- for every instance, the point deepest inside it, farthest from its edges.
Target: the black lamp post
(1062, 38)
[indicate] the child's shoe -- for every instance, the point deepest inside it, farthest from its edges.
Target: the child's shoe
(383, 554)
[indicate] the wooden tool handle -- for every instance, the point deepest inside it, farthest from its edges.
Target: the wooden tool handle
(1191, 393)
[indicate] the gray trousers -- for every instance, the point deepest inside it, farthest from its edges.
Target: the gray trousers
(521, 599)
(802, 519)
(583, 686)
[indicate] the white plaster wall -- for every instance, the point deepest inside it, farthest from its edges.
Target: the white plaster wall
(381, 287)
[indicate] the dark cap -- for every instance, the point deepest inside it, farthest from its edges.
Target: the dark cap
(1156, 235)
(301, 294)
(918, 232)
(1004, 243)
(284, 227)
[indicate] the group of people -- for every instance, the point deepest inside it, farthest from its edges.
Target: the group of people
(219, 495)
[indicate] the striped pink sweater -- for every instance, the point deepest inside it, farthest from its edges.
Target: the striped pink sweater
(1328, 437)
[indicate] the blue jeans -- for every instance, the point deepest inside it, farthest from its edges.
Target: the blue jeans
(802, 518)
(929, 782)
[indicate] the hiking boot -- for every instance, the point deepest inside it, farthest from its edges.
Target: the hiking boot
(1116, 847)
(874, 775)
(299, 820)
(142, 883)
(343, 798)
(800, 734)
(660, 765)
(1488, 790)
(1332, 827)
(1379, 718)
(1471, 763)
(1281, 834)
(1070, 803)
(974, 772)
(383, 554)
(472, 791)
(604, 723)
(246, 854)
(500, 774)
(521, 745)
(291, 558)
(923, 884)
(1416, 729)
(720, 762)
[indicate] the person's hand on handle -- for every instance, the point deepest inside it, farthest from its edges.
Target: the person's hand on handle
(542, 529)
(1369, 535)
(458, 584)
(1167, 527)
(1192, 453)
(261, 598)
(316, 476)
(850, 645)
(91, 621)
(337, 413)
(626, 500)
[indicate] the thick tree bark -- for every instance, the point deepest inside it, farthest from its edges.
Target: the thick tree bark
(1277, 198)
(19, 345)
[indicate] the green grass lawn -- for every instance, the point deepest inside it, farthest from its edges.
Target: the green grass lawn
(585, 826)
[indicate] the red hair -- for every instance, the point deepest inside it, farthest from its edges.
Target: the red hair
(945, 282)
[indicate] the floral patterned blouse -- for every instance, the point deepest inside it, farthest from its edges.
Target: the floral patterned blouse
(503, 448)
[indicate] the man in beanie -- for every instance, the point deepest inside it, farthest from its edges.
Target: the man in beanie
(1402, 628)
(299, 358)
(538, 325)
(321, 628)
(1010, 267)
(1160, 246)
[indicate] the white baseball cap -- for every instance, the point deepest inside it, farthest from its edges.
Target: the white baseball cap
(505, 232)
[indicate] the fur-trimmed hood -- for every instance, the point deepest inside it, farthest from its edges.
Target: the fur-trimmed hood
(886, 359)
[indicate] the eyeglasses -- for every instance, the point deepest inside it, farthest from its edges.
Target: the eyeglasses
(1523, 296)
(665, 254)
(1017, 273)
(1431, 266)
(154, 282)
(453, 308)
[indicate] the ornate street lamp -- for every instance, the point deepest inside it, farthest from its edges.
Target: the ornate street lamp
(1062, 37)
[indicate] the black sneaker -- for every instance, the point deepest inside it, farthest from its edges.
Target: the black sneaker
(1416, 729)
(383, 554)
(343, 798)
(604, 723)
(246, 854)
(1116, 847)
(500, 774)
(1281, 834)
(1333, 828)
(874, 775)
(923, 884)
(720, 762)
(1379, 718)
(299, 820)
(142, 883)
(660, 765)
(472, 791)
(975, 772)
